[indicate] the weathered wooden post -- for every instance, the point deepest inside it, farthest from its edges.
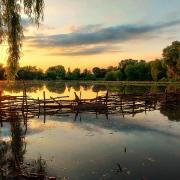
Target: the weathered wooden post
(44, 95)
(106, 98)
(1, 109)
(39, 107)
(96, 96)
(25, 94)
(145, 102)
(133, 106)
(166, 96)
(23, 102)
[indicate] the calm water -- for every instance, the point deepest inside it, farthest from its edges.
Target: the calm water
(146, 146)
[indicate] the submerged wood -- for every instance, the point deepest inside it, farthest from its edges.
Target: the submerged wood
(25, 106)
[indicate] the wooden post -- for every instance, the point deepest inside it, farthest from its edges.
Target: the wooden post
(44, 95)
(1, 110)
(166, 96)
(106, 100)
(133, 106)
(23, 103)
(96, 96)
(39, 107)
(121, 101)
(145, 103)
(25, 94)
(80, 95)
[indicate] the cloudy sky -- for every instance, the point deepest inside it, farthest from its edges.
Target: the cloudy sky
(84, 34)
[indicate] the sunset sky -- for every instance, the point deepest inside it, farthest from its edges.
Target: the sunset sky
(84, 34)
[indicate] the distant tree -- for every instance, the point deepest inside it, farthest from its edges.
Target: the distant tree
(157, 70)
(11, 29)
(30, 73)
(126, 62)
(87, 75)
(130, 72)
(68, 75)
(111, 68)
(171, 55)
(76, 73)
(56, 72)
(99, 73)
(111, 76)
(142, 71)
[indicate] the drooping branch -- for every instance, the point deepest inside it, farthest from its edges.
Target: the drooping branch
(11, 29)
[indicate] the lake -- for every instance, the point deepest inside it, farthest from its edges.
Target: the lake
(93, 146)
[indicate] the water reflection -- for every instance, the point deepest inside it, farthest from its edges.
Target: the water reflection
(12, 152)
(56, 87)
(172, 112)
(84, 145)
(61, 86)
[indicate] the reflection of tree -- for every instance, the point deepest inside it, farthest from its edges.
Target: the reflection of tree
(75, 85)
(12, 155)
(56, 87)
(173, 88)
(17, 87)
(12, 152)
(172, 112)
(18, 144)
(86, 86)
(97, 88)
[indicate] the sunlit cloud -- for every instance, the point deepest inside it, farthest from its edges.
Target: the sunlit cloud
(95, 39)
(88, 50)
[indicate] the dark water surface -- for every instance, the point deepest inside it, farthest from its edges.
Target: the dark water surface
(146, 146)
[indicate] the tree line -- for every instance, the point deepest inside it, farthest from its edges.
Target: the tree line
(128, 69)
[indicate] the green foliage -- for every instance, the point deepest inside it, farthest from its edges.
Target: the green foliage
(56, 73)
(136, 70)
(68, 74)
(76, 74)
(124, 63)
(99, 73)
(157, 70)
(11, 29)
(111, 76)
(119, 75)
(30, 73)
(171, 55)
(87, 75)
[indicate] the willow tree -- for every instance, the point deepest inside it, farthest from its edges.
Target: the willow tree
(171, 56)
(11, 28)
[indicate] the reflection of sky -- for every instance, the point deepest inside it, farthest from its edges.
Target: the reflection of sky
(90, 149)
(76, 148)
(56, 92)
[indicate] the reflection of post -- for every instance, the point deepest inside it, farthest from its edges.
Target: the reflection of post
(166, 96)
(107, 115)
(44, 95)
(25, 94)
(39, 107)
(155, 101)
(145, 103)
(23, 103)
(1, 110)
(76, 115)
(133, 106)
